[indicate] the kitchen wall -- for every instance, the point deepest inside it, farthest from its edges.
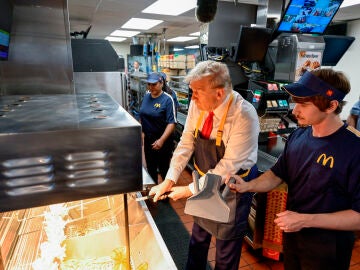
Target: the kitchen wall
(122, 49)
(349, 64)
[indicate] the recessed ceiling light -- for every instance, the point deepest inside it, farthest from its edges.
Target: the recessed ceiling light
(141, 24)
(181, 39)
(115, 39)
(348, 3)
(124, 33)
(178, 49)
(170, 7)
(192, 47)
(195, 34)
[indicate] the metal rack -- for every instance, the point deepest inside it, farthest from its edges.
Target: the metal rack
(181, 88)
(136, 92)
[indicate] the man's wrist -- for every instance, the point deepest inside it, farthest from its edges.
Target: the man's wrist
(249, 186)
(169, 182)
(187, 191)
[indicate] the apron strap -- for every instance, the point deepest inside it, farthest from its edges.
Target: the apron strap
(198, 123)
(198, 169)
(242, 174)
(222, 123)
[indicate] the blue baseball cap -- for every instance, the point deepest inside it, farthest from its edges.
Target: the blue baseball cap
(153, 78)
(163, 75)
(310, 85)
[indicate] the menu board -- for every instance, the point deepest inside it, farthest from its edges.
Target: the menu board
(308, 16)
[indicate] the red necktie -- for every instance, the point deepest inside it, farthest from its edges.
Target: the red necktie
(208, 124)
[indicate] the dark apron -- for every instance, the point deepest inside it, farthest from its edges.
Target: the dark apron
(207, 154)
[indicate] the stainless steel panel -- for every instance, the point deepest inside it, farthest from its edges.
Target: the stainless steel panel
(262, 12)
(40, 60)
(95, 82)
(57, 148)
(124, 90)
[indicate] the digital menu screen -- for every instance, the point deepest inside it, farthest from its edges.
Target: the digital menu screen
(308, 16)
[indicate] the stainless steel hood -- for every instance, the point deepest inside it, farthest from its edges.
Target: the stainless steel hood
(40, 59)
(58, 144)
(57, 148)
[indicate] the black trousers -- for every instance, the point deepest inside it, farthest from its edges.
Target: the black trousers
(316, 249)
(158, 160)
(228, 252)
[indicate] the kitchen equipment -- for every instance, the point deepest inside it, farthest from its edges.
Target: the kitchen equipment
(147, 197)
(297, 53)
(94, 233)
(58, 148)
(70, 146)
(209, 203)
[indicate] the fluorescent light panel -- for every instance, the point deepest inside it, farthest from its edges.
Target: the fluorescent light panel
(192, 47)
(141, 24)
(115, 39)
(170, 7)
(197, 34)
(348, 3)
(181, 39)
(124, 33)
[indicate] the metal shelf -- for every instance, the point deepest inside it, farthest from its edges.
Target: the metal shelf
(180, 90)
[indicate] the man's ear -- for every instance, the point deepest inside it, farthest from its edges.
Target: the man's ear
(333, 105)
(220, 93)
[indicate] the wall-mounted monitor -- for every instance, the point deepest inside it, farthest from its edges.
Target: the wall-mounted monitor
(4, 44)
(252, 44)
(308, 16)
(335, 48)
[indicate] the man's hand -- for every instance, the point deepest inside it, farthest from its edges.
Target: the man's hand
(160, 189)
(180, 192)
(290, 221)
(239, 186)
(157, 144)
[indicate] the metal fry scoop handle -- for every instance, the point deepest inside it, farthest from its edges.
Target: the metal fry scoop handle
(164, 196)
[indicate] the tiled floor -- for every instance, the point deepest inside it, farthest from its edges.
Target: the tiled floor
(250, 259)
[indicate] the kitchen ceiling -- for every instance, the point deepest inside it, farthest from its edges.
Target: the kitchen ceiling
(105, 16)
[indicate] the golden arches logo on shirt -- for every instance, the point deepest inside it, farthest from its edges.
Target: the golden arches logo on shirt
(324, 160)
(157, 105)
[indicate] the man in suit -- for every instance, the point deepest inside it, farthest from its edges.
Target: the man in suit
(136, 67)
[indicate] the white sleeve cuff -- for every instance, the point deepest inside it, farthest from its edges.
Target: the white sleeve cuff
(201, 184)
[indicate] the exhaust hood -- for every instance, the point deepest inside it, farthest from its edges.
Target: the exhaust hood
(39, 60)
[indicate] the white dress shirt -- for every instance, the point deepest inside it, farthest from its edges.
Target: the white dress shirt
(240, 137)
